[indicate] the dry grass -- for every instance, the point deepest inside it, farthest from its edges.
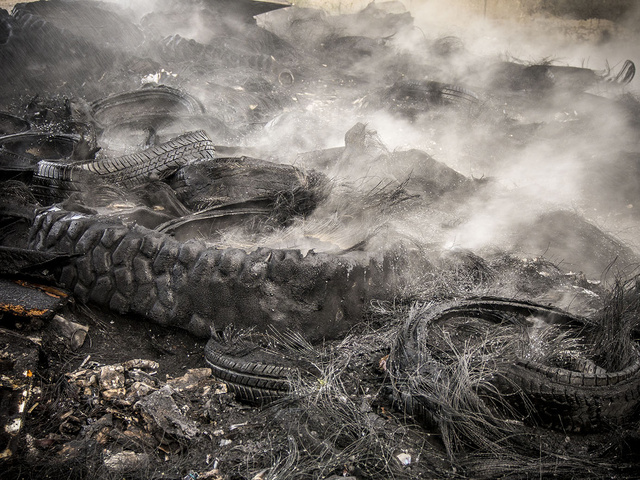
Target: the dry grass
(339, 433)
(451, 387)
(612, 335)
(332, 429)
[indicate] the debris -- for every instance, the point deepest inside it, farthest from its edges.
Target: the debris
(238, 425)
(17, 260)
(86, 359)
(105, 421)
(211, 474)
(382, 363)
(111, 377)
(141, 364)
(126, 461)
(162, 413)
(404, 458)
(113, 393)
(18, 361)
(141, 437)
(72, 331)
(220, 388)
(260, 475)
(139, 389)
(190, 380)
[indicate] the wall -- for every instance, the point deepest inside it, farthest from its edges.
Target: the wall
(577, 9)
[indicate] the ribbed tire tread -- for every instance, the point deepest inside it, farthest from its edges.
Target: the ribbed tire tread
(57, 179)
(252, 381)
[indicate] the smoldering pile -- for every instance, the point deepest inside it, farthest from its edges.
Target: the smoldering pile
(199, 168)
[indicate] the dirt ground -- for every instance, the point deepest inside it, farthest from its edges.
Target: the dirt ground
(77, 429)
(136, 400)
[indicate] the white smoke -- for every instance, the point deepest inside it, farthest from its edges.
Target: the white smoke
(540, 154)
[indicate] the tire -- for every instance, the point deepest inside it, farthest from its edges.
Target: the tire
(562, 398)
(455, 94)
(131, 269)
(22, 151)
(255, 375)
(434, 93)
(87, 21)
(149, 102)
(415, 98)
(210, 222)
(54, 180)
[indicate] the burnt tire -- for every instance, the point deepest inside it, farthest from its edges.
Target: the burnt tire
(561, 398)
(22, 151)
(54, 180)
(131, 269)
(254, 374)
(147, 103)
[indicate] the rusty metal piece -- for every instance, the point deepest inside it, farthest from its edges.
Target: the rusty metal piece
(26, 299)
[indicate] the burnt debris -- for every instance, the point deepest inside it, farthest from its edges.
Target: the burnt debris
(244, 239)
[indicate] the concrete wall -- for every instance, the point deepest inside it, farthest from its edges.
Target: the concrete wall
(576, 9)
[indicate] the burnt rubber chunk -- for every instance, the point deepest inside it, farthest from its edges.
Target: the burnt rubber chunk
(319, 295)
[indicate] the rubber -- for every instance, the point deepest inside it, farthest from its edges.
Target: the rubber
(564, 399)
(84, 20)
(22, 151)
(210, 222)
(54, 180)
(457, 94)
(150, 101)
(131, 269)
(434, 92)
(37, 43)
(223, 53)
(253, 374)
